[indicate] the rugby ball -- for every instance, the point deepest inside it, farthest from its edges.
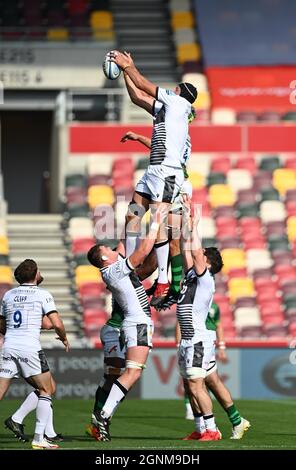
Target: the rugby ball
(110, 69)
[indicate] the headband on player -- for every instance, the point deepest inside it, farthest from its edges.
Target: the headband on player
(188, 91)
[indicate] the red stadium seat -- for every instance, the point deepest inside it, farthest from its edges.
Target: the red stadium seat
(221, 165)
(92, 289)
(291, 163)
(245, 302)
(247, 163)
(82, 245)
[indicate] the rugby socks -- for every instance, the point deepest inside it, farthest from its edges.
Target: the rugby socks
(26, 407)
(101, 397)
(199, 422)
(49, 429)
(177, 268)
(116, 395)
(210, 422)
(162, 254)
(42, 413)
(233, 415)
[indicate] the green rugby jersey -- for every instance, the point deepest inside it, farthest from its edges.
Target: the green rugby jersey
(117, 315)
(213, 318)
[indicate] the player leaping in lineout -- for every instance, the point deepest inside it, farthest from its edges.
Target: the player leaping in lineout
(164, 177)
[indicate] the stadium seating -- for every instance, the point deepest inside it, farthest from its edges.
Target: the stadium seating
(56, 20)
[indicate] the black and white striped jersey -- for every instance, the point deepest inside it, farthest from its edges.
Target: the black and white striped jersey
(194, 302)
(170, 129)
(127, 289)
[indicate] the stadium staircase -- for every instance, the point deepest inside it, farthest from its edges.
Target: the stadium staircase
(143, 28)
(43, 237)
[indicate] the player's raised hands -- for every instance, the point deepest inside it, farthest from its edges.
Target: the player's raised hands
(160, 214)
(122, 59)
(129, 136)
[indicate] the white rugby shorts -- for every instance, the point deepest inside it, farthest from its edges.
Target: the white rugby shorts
(112, 342)
(138, 333)
(161, 183)
(194, 357)
(15, 363)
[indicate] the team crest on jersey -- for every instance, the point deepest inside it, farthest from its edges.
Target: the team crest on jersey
(169, 92)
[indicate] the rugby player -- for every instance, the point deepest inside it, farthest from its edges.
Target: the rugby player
(197, 344)
(213, 382)
(164, 177)
(137, 327)
(22, 310)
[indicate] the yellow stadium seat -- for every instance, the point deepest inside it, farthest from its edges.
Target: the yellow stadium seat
(5, 275)
(291, 228)
(58, 34)
(188, 52)
(221, 195)
(103, 35)
(203, 100)
(240, 287)
(101, 19)
(84, 274)
(196, 179)
(4, 248)
(182, 19)
(233, 258)
(284, 179)
(100, 194)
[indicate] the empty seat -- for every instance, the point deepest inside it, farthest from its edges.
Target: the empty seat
(188, 52)
(216, 177)
(271, 211)
(247, 317)
(270, 163)
(99, 165)
(196, 179)
(221, 195)
(82, 245)
(246, 116)
(233, 258)
(284, 179)
(182, 19)
(5, 275)
(100, 194)
(258, 259)
(247, 163)
(223, 116)
(240, 287)
(221, 165)
(101, 20)
(239, 179)
(4, 248)
(81, 227)
(269, 194)
(86, 274)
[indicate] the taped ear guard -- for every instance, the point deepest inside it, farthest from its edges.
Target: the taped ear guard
(104, 258)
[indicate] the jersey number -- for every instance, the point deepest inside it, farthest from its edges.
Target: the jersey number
(17, 318)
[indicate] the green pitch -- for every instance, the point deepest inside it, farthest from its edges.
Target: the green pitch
(160, 424)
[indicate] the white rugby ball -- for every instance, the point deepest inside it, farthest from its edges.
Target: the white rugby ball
(110, 69)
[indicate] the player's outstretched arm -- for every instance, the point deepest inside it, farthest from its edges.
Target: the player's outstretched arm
(139, 255)
(58, 325)
(46, 323)
(138, 97)
(125, 61)
(186, 233)
(136, 137)
(196, 250)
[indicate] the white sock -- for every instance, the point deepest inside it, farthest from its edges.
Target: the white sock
(210, 422)
(130, 244)
(162, 254)
(117, 393)
(28, 405)
(42, 413)
(49, 429)
(199, 423)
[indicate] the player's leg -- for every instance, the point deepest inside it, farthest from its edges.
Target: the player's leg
(50, 434)
(164, 188)
(193, 361)
(239, 424)
(197, 415)
(136, 210)
(9, 371)
(138, 338)
(162, 254)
